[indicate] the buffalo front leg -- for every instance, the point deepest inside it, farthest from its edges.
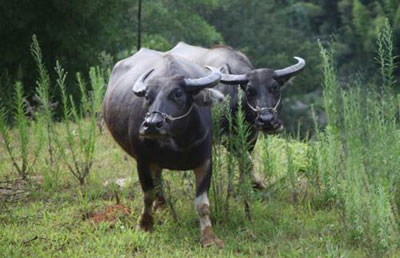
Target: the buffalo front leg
(160, 199)
(256, 179)
(203, 179)
(149, 195)
(246, 164)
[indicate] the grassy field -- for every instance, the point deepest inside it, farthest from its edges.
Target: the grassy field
(58, 222)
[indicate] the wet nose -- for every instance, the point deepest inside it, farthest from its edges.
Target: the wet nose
(268, 121)
(264, 119)
(153, 122)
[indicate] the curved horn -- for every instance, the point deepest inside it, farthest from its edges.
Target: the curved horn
(140, 86)
(291, 70)
(230, 79)
(208, 81)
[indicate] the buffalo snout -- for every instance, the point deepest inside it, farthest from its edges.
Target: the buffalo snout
(268, 122)
(153, 126)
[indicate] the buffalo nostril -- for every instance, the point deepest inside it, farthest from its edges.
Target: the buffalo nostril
(277, 124)
(145, 124)
(159, 124)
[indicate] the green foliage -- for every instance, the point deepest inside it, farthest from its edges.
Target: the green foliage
(46, 115)
(23, 147)
(359, 153)
(240, 147)
(79, 149)
(330, 83)
(73, 32)
(361, 23)
(386, 57)
(180, 21)
(225, 182)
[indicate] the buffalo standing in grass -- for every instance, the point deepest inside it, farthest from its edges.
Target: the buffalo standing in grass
(164, 123)
(262, 88)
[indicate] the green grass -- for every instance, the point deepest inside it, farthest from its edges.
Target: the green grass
(52, 223)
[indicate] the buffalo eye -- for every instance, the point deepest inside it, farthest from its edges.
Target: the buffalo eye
(250, 92)
(275, 88)
(178, 94)
(147, 97)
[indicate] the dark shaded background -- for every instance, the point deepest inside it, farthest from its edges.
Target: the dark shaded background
(83, 33)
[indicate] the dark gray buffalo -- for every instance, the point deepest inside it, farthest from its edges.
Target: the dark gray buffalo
(157, 107)
(262, 97)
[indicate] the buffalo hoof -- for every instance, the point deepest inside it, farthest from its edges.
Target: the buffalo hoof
(146, 223)
(208, 238)
(160, 203)
(259, 186)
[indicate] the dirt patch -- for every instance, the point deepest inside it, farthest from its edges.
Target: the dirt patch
(110, 214)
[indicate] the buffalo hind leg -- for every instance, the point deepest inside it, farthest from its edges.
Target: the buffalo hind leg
(203, 178)
(149, 195)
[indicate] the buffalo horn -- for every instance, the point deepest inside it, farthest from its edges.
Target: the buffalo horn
(140, 86)
(204, 82)
(291, 70)
(230, 79)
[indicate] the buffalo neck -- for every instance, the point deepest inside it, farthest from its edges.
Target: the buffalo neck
(249, 115)
(193, 133)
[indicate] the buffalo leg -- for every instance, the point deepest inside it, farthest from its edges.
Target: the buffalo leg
(246, 166)
(203, 179)
(146, 181)
(160, 199)
(256, 179)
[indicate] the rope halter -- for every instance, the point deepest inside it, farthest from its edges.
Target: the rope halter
(258, 109)
(168, 118)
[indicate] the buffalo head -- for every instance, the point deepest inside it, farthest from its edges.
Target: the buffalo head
(262, 88)
(171, 101)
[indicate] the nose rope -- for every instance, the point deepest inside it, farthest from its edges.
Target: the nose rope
(257, 109)
(167, 117)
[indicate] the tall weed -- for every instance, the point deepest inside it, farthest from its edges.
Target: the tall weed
(80, 123)
(359, 152)
(241, 133)
(24, 144)
(45, 116)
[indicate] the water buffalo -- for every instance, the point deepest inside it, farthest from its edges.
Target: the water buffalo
(157, 107)
(262, 97)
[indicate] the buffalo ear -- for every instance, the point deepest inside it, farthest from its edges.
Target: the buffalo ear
(208, 97)
(283, 80)
(140, 87)
(225, 69)
(140, 93)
